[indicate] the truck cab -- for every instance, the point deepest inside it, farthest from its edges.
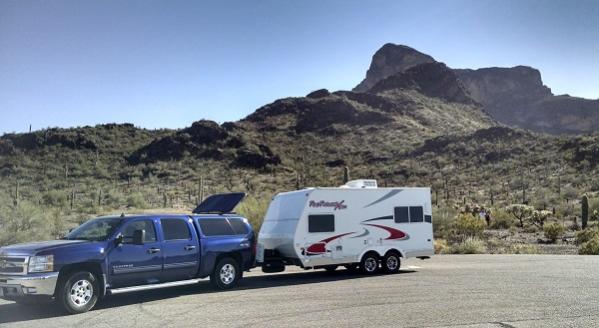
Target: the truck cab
(117, 254)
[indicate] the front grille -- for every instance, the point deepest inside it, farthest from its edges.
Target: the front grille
(13, 265)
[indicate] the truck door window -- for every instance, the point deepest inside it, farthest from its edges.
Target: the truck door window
(146, 225)
(416, 214)
(321, 223)
(402, 214)
(216, 227)
(238, 226)
(175, 229)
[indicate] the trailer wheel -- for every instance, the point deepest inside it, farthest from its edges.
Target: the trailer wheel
(226, 274)
(370, 263)
(331, 268)
(391, 262)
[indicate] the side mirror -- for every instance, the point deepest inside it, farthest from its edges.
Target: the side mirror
(119, 240)
(138, 237)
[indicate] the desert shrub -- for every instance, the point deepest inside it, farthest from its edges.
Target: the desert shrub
(520, 212)
(440, 246)
(254, 209)
(136, 200)
(501, 220)
(114, 199)
(538, 218)
(467, 225)
(470, 245)
(590, 247)
(55, 198)
(586, 235)
(530, 229)
(443, 218)
(22, 223)
(553, 231)
(524, 249)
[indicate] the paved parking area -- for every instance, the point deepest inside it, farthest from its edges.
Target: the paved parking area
(445, 291)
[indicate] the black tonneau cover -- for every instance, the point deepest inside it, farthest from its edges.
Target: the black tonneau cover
(220, 203)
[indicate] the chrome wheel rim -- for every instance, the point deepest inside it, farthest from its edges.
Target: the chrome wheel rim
(392, 263)
(81, 292)
(370, 264)
(227, 274)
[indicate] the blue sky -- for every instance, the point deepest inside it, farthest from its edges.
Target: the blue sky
(169, 63)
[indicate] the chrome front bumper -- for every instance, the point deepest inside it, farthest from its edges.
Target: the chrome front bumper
(31, 284)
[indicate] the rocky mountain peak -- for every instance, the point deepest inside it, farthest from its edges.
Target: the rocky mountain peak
(391, 59)
(431, 79)
(487, 84)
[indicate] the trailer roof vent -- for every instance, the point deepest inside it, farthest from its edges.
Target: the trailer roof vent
(363, 183)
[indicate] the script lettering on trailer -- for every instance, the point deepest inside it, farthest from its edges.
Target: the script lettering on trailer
(334, 205)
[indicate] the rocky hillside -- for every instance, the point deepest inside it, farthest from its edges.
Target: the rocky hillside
(514, 96)
(412, 122)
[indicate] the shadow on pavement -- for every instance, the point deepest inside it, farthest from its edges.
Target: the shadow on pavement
(13, 312)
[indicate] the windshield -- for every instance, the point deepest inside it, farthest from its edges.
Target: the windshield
(95, 230)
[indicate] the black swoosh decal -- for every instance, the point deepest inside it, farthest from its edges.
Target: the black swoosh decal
(365, 233)
(388, 217)
(388, 195)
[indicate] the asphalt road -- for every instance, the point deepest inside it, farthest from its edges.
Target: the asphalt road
(445, 291)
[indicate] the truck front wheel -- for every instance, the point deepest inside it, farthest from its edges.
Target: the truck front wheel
(78, 292)
(226, 274)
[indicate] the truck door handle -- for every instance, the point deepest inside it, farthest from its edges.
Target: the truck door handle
(190, 247)
(153, 250)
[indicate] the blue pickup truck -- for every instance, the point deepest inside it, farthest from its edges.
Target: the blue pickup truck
(117, 254)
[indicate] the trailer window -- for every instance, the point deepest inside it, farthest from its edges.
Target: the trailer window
(428, 218)
(216, 227)
(416, 214)
(401, 214)
(321, 223)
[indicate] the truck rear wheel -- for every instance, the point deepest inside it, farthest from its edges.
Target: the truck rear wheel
(226, 274)
(78, 292)
(370, 263)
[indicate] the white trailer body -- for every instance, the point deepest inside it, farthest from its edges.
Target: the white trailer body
(319, 227)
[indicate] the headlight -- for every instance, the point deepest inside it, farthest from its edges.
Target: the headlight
(41, 263)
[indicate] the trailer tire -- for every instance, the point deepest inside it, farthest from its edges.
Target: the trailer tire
(370, 263)
(78, 292)
(391, 262)
(226, 274)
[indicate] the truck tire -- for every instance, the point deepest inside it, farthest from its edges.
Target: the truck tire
(78, 292)
(391, 262)
(370, 263)
(226, 274)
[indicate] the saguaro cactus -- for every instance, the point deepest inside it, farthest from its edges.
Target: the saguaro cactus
(585, 211)
(345, 174)
(16, 200)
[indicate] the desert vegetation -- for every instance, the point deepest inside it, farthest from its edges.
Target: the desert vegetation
(505, 191)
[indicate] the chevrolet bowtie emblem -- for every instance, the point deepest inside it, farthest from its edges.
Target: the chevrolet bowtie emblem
(3, 264)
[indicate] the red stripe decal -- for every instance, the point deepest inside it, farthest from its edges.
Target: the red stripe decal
(320, 246)
(394, 233)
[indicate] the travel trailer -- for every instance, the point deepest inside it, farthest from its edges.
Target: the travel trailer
(355, 225)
